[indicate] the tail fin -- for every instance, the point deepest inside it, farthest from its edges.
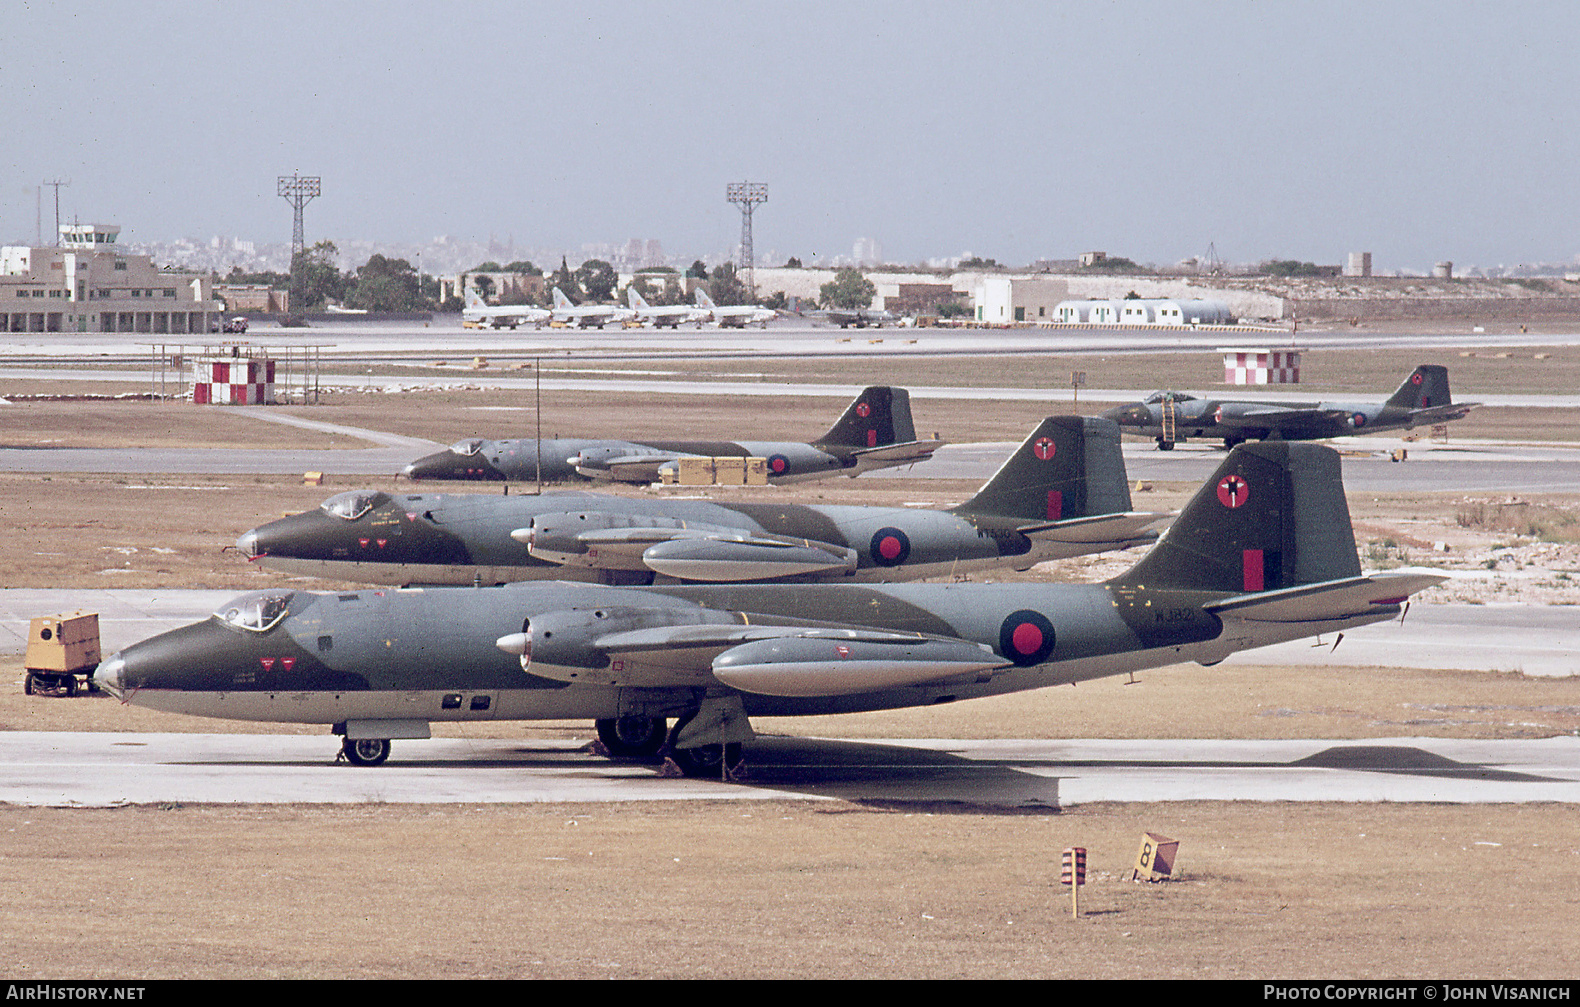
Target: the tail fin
(879, 415)
(474, 299)
(635, 299)
(560, 300)
(1070, 466)
(1272, 516)
(704, 301)
(1426, 386)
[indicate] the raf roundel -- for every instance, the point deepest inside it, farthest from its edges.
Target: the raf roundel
(1044, 448)
(889, 547)
(1415, 379)
(778, 464)
(1358, 419)
(1233, 491)
(1026, 638)
(863, 410)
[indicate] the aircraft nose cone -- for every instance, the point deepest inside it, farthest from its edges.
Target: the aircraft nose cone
(109, 675)
(248, 544)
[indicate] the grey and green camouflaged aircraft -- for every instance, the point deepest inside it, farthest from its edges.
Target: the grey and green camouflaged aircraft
(1262, 554)
(1171, 417)
(875, 432)
(1062, 493)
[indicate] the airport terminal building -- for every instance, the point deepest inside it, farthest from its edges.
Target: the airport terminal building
(85, 284)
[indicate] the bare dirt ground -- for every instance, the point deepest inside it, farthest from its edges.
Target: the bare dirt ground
(801, 889)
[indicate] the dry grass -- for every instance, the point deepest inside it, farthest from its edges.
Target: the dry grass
(790, 890)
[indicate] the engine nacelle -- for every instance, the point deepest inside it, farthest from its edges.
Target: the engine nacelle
(564, 645)
(830, 666)
(721, 560)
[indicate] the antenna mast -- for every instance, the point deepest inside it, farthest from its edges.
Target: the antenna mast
(57, 183)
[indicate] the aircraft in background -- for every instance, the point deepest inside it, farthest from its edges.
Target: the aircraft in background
(586, 316)
(671, 315)
(1262, 554)
(1062, 493)
(874, 432)
(736, 316)
(860, 318)
(1171, 417)
(502, 316)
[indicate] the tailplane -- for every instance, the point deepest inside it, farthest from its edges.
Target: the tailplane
(704, 301)
(635, 299)
(880, 415)
(560, 300)
(1272, 516)
(1425, 388)
(1069, 467)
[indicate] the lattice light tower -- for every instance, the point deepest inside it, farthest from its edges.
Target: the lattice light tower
(747, 195)
(298, 191)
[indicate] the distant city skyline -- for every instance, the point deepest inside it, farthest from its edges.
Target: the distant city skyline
(1417, 131)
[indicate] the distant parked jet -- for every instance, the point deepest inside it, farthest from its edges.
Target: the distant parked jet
(1171, 417)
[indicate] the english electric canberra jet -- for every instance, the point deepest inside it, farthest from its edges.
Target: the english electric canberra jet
(875, 432)
(1172, 417)
(1262, 554)
(1062, 493)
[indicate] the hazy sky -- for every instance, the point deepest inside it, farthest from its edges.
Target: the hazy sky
(1417, 131)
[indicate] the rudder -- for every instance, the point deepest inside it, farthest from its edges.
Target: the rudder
(1272, 516)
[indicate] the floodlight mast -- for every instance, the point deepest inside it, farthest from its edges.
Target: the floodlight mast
(747, 195)
(298, 191)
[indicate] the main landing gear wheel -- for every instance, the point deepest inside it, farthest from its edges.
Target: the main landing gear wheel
(1164, 445)
(708, 761)
(365, 751)
(633, 737)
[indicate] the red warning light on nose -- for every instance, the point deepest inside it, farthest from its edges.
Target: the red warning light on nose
(1044, 448)
(1233, 491)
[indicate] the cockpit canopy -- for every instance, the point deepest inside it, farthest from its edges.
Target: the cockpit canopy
(468, 447)
(1156, 398)
(257, 612)
(352, 504)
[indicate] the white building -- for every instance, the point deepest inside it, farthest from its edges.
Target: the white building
(86, 285)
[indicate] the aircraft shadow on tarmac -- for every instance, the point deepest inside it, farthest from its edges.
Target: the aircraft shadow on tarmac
(875, 773)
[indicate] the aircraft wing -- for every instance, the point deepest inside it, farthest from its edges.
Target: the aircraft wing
(1330, 601)
(1442, 414)
(628, 468)
(1278, 416)
(706, 555)
(896, 454)
(1133, 526)
(770, 660)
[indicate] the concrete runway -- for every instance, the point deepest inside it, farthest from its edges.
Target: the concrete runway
(97, 770)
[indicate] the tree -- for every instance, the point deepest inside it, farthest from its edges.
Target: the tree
(597, 278)
(726, 288)
(489, 267)
(793, 263)
(522, 266)
(315, 279)
(385, 285)
(564, 279)
(848, 289)
(698, 270)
